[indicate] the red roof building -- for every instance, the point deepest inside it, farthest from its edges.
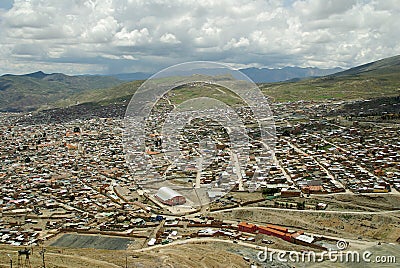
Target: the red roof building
(245, 227)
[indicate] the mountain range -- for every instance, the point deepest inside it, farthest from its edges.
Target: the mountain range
(372, 80)
(265, 75)
(30, 91)
(258, 75)
(381, 79)
(38, 90)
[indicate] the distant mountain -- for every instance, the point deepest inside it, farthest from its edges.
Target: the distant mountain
(381, 79)
(372, 80)
(39, 90)
(265, 75)
(38, 75)
(258, 75)
(131, 76)
(143, 76)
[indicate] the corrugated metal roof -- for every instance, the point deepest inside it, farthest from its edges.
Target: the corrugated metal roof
(305, 238)
(166, 193)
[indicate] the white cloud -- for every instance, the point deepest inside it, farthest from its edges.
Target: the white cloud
(169, 38)
(132, 38)
(234, 43)
(128, 57)
(107, 35)
(103, 31)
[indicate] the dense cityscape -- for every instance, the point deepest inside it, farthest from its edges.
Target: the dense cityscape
(71, 177)
(185, 134)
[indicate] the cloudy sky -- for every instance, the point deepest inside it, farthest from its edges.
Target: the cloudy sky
(117, 36)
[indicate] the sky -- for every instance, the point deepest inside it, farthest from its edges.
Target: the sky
(120, 36)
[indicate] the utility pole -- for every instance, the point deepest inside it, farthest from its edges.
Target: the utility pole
(42, 253)
(10, 260)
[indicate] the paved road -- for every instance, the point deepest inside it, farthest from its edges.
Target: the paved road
(235, 161)
(355, 243)
(199, 170)
(200, 240)
(281, 168)
(309, 211)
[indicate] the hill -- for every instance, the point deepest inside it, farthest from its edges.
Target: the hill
(132, 76)
(375, 79)
(388, 66)
(371, 80)
(265, 75)
(121, 93)
(39, 90)
(258, 75)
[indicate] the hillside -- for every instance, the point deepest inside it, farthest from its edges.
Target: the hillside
(119, 94)
(258, 75)
(388, 66)
(44, 91)
(39, 90)
(376, 79)
(265, 75)
(371, 80)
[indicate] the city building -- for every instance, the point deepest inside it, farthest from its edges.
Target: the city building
(170, 197)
